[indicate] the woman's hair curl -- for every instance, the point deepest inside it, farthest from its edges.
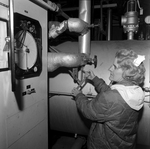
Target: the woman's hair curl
(131, 72)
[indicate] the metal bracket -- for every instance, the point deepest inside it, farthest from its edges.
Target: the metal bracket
(12, 52)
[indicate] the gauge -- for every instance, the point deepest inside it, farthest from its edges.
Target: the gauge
(26, 55)
(3, 45)
(28, 47)
(147, 20)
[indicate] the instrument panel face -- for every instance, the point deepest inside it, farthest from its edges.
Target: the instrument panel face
(4, 62)
(28, 47)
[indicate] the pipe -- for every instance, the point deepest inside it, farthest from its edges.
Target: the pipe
(73, 24)
(56, 60)
(51, 6)
(101, 19)
(85, 15)
(53, 93)
(109, 21)
(95, 7)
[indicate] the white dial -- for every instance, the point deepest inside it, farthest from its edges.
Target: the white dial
(147, 20)
(26, 52)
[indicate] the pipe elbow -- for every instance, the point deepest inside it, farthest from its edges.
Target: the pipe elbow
(56, 28)
(77, 25)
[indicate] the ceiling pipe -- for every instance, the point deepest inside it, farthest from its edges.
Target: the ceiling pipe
(101, 19)
(51, 6)
(95, 7)
(109, 22)
(85, 15)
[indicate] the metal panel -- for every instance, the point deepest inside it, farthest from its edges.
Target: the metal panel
(3, 83)
(23, 113)
(29, 141)
(23, 122)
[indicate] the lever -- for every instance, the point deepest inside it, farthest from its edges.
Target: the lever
(94, 25)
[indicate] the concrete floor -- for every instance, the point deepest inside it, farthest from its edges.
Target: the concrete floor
(61, 140)
(64, 143)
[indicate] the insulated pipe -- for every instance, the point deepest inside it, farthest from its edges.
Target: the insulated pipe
(73, 24)
(85, 15)
(56, 60)
(51, 6)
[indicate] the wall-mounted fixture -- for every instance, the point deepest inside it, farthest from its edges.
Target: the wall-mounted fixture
(130, 19)
(4, 45)
(28, 47)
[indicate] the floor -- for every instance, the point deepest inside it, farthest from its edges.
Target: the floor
(64, 140)
(67, 141)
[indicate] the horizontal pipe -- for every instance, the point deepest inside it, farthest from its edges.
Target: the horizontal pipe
(44, 5)
(51, 6)
(56, 60)
(95, 7)
(52, 93)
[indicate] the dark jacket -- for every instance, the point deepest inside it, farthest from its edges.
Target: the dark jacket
(114, 121)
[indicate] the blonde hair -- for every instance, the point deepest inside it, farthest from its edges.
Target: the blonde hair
(131, 72)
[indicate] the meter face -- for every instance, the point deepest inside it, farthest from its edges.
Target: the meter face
(3, 45)
(26, 55)
(147, 20)
(28, 47)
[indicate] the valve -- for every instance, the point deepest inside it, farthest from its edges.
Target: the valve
(130, 19)
(93, 61)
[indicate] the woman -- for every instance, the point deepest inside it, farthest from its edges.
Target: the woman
(114, 111)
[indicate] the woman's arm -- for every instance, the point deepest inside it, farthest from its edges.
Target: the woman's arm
(100, 85)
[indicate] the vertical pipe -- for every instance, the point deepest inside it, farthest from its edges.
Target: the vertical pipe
(85, 15)
(101, 19)
(109, 22)
(130, 36)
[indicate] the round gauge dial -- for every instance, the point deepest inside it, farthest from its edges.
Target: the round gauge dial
(26, 51)
(28, 47)
(147, 20)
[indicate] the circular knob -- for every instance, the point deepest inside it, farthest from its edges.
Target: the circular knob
(95, 61)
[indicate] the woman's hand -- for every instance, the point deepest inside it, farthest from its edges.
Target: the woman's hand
(89, 75)
(75, 91)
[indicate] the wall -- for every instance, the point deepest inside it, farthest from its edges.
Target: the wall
(23, 118)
